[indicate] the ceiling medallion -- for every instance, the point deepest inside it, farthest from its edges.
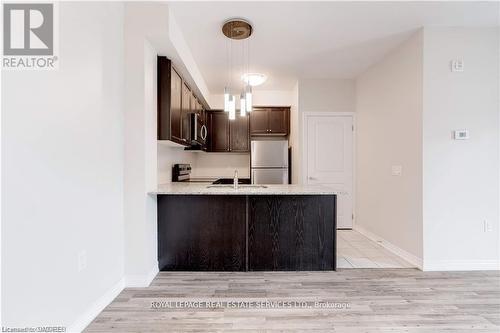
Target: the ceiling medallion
(237, 29)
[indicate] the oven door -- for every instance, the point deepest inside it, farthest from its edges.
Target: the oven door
(199, 130)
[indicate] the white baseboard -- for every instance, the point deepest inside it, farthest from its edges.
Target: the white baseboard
(140, 280)
(414, 260)
(85, 319)
(129, 281)
(462, 265)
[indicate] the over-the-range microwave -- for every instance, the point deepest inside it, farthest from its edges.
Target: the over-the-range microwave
(199, 130)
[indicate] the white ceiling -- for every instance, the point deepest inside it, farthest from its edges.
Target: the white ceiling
(294, 40)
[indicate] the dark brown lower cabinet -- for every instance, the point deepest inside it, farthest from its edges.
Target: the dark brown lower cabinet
(291, 233)
(246, 232)
(201, 232)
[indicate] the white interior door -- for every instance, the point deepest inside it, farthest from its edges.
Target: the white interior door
(329, 154)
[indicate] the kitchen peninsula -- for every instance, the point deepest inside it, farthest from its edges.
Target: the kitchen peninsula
(204, 227)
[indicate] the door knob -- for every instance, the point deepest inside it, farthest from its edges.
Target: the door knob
(312, 178)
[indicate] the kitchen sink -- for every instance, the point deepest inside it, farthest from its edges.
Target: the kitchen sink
(229, 181)
(239, 186)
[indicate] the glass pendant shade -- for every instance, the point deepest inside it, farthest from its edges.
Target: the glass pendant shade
(232, 107)
(243, 106)
(226, 99)
(248, 98)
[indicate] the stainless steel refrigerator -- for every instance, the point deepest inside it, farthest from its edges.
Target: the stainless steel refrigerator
(269, 162)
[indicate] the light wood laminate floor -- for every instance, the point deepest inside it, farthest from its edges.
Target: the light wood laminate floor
(379, 300)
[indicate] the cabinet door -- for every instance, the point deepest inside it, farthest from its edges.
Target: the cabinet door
(201, 232)
(198, 107)
(238, 133)
(169, 90)
(278, 121)
(259, 121)
(219, 131)
(291, 232)
(203, 115)
(194, 103)
(175, 105)
(185, 114)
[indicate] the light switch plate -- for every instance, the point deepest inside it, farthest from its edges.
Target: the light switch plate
(457, 65)
(396, 170)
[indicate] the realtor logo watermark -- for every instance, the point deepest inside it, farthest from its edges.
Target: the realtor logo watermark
(30, 36)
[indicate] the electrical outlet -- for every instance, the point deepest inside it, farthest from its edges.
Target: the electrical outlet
(487, 226)
(82, 260)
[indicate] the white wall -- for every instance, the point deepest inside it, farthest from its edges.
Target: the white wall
(460, 178)
(330, 95)
(62, 180)
(389, 132)
(407, 107)
(144, 23)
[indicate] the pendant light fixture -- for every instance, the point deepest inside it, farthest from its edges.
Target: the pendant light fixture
(232, 107)
(243, 105)
(226, 99)
(248, 98)
(237, 30)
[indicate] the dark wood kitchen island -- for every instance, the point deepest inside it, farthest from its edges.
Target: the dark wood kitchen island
(203, 227)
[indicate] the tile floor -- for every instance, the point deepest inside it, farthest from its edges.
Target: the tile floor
(356, 251)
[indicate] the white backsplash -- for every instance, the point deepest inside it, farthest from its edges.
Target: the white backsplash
(168, 156)
(204, 165)
(221, 165)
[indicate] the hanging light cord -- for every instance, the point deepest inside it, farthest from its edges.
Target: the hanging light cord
(231, 60)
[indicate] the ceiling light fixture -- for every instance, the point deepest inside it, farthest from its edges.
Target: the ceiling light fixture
(254, 79)
(238, 30)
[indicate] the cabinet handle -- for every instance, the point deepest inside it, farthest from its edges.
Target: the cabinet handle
(204, 132)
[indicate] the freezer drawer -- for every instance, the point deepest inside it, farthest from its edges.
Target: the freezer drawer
(270, 176)
(269, 154)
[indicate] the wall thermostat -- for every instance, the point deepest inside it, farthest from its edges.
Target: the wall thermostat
(461, 134)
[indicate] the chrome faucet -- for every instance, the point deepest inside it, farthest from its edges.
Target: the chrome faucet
(235, 180)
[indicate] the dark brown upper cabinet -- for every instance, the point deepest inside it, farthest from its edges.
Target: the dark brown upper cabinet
(228, 135)
(194, 103)
(279, 121)
(169, 102)
(270, 121)
(259, 122)
(239, 140)
(185, 114)
(218, 132)
(176, 102)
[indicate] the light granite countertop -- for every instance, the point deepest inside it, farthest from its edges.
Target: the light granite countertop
(208, 189)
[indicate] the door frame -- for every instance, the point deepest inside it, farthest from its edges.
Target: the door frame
(305, 116)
